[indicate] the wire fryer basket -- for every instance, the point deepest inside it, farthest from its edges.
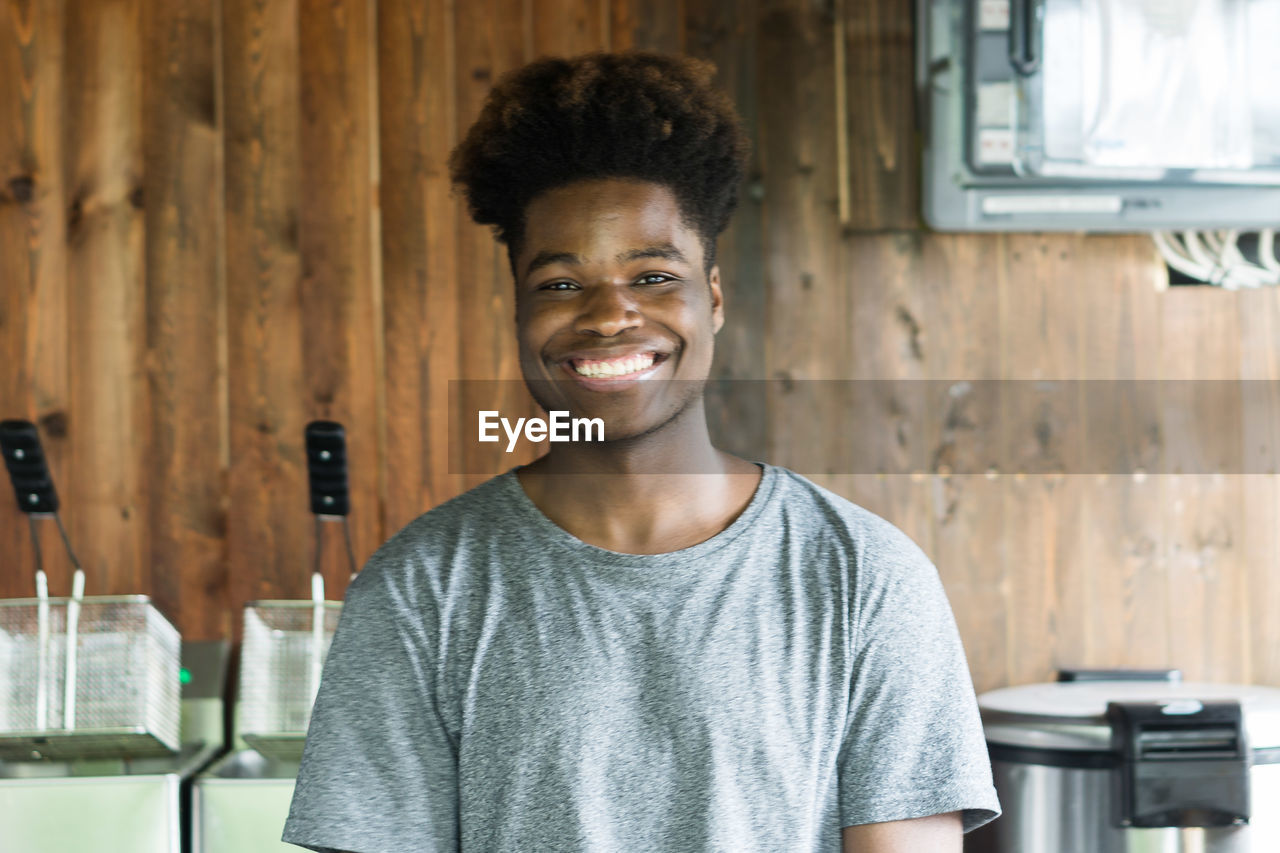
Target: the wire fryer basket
(114, 694)
(285, 642)
(284, 647)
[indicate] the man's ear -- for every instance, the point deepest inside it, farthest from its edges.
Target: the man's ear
(717, 298)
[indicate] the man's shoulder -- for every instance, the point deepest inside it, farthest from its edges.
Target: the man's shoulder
(428, 542)
(487, 499)
(834, 514)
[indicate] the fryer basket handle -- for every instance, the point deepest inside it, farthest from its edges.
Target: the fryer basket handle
(28, 468)
(327, 468)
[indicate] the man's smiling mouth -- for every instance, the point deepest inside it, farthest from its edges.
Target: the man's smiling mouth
(620, 367)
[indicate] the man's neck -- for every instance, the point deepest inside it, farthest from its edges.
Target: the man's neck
(652, 495)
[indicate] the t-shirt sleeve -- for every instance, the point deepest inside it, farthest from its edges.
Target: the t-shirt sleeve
(914, 745)
(379, 770)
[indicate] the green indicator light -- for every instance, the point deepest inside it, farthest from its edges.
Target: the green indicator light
(184, 675)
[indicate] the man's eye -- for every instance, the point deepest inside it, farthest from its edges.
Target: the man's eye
(557, 285)
(662, 278)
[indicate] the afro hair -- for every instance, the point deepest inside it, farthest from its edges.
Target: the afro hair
(636, 114)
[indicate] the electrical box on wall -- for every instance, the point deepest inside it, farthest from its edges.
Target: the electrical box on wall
(1099, 115)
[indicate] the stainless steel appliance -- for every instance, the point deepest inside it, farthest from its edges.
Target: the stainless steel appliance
(240, 804)
(119, 805)
(1133, 762)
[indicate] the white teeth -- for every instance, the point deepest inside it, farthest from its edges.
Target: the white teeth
(635, 364)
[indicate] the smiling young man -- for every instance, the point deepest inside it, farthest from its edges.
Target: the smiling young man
(643, 643)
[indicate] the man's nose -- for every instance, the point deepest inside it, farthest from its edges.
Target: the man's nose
(608, 310)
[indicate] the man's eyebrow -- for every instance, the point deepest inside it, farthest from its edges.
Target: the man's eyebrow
(666, 251)
(546, 258)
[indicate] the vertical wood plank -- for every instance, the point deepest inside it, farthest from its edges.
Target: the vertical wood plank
(1039, 472)
(108, 414)
(566, 27)
(725, 33)
(962, 324)
(889, 372)
(269, 531)
(181, 144)
(489, 41)
(647, 26)
(1120, 616)
(968, 549)
(340, 299)
(880, 84)
(33, 301)
(417, 129)
(801, 239)
(1260, 486)
(1201, 341)
(621, 24)
(959, 285)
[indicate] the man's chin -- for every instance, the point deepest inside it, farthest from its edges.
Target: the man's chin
(621, 413)
(620, 430)
(627, 417)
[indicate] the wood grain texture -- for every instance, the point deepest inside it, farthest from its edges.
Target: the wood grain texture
(219, 220)
(340, 297)
(1117, 613)
(657, 25)
(107, 497)
(565, 27)
(888, 349)
(961, 323)
(726, 35)
(1260, 485)
(879, 77)
(801, 241)
(490, 41)
(417, 128)
(268, 530)
(1039, 472)
(1201, 546)
(185, 311)
(34, 384)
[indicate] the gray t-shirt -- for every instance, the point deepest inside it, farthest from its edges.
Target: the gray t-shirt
(496, 684)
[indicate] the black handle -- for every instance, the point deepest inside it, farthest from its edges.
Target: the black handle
(327, 468)
(28, 470)
(1170, 675)
(1185, 763)
(1024, 36)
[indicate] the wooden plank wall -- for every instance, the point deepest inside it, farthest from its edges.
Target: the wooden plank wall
(223, 218)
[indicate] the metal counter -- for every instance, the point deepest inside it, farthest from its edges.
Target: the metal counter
(239, 805)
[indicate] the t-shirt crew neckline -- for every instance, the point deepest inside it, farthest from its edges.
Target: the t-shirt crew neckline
(528, 513)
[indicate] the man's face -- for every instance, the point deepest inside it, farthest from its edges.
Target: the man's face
(612, 303)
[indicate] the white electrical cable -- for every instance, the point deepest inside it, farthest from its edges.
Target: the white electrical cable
(1201, 254)
(1267, 251)
(1214, 242)
(1241, 266)
(1215, 258)
(1177, 257)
